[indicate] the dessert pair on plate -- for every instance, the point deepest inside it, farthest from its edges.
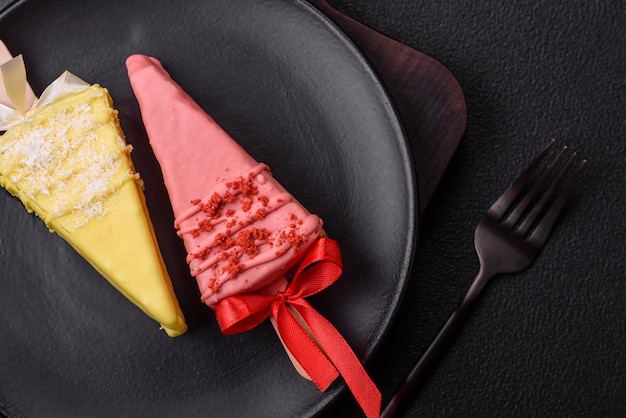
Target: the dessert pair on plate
(64, 156)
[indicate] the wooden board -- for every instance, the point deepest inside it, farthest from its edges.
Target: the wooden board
(428, 98)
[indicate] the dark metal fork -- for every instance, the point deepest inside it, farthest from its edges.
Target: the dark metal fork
(508, 239)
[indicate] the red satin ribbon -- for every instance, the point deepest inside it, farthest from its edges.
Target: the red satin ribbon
(320, 267)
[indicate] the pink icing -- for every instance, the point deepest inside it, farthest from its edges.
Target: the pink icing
(242, 230)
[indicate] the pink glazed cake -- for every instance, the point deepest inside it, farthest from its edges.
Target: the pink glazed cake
(242, 230)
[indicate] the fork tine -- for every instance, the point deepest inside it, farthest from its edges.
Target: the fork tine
(507, 198)
(530, 219)
(516, 213)
(540, 234)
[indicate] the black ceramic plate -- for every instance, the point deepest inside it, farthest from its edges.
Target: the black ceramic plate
(298, 96)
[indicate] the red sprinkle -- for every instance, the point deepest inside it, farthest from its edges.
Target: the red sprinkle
(264, 200)
(247, 239)
(242, 191)
(295, 239)
(203, 254)
(229, 197)
(223, 241)
(246, 205)
(205, 225)
(260, 214)
(213, 285)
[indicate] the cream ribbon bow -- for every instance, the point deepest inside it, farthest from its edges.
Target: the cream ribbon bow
(17, 99)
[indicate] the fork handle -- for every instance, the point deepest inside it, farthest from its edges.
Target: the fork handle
(437, 348)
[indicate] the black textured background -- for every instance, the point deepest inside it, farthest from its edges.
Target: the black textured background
(548, 342)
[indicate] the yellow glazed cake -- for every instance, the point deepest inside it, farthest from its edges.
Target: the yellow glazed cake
(67, 161)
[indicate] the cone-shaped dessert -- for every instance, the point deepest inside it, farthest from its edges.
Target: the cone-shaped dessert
(67, 161)
(244, 232)
(241, 228)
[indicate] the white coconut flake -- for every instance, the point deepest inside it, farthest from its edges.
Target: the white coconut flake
(66, 160)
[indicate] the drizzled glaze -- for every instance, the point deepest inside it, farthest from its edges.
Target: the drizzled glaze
(234, 229)
(59, 162)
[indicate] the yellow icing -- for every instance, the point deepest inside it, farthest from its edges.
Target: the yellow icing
(68, 163)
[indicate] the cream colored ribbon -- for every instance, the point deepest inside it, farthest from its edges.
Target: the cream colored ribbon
(17, 99)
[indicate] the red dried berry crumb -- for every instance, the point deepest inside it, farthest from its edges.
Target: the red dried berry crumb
(246, 205)
(294, 238)
(213, 285)
(213, 208)
(249, 188)
(264, 200)
(247, 239)
(223, 256)
(234, 268)
(260, 214)
(229, 197)
(202, 254)
(205, 225)
(223, 241)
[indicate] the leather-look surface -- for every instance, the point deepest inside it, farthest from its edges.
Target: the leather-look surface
(549, 342)
(299, 97)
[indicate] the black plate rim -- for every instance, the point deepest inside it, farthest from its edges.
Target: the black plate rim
(411, 182)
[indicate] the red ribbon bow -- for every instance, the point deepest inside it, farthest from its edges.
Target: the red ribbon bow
(324, 355)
